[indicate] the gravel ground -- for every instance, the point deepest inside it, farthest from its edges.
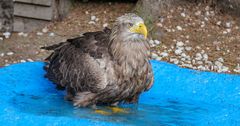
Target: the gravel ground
(192, 36)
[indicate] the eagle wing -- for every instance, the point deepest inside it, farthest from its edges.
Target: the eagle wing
(75, 63)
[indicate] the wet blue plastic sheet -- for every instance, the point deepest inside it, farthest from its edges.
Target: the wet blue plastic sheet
(179, 97)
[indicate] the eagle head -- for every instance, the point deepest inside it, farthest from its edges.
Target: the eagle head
(130, 26)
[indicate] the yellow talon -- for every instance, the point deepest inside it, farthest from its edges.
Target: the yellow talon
(118, 110)
(102, 112)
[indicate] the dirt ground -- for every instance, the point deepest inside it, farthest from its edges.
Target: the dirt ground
(193, 36)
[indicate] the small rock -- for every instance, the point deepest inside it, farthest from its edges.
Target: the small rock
(164, 54)
(179, 44)
(183, 55)
(51, 34)
(7, 34)
(206, 19)
(105, 25)
(237, 69)
(228, 24)
(183, 14)
(97, 19)
(199, 62)
(159, 58)
(86, 12)
(198, 56)
(225, 32)
(151, 41)
(25, 35)
(2, 54)
(228, 30)
(159, 24)
(1, 38)
(205, 57)
(197, 13)
(173, 60)
(218, 63)
(207, 13)
(179, 28)
(207, 8)
(20, 34)
(201, 67)
(154, 55)
(188, 48)
(224, 69)
(178, 51)
(93, 18)
(22, 61)
(220, 59)
(219, 23)
(29, 60)
(156, 42)
(39, 33)
(91, 22)
(45, 30)
(10, 53)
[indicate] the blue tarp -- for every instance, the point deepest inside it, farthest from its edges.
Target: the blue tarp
(179, 96)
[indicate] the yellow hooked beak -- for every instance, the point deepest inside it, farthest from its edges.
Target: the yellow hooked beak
(140, 29)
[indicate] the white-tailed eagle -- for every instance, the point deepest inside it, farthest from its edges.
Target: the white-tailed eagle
(103, 67)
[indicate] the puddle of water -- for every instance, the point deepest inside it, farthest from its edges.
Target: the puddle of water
(167, 112)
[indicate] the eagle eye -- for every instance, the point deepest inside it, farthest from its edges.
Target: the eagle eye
(130, 24)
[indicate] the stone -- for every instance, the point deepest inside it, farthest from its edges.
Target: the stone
(93, 18)
(164, 54)
(188, 48)
(228, 24)
(45, 30)
(51, 34)
(10, 53)
(179, 43)
(157, 42)
(105, 25)
(220, 59)
(178, 51)
(7, 34)
(91, 22)
(179, 28)
(29, 60)
(198, 56)
(183, 14)
(205, 57)
(39, 33)
(154, 56)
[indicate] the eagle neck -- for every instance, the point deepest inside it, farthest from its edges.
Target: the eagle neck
(129, 56)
